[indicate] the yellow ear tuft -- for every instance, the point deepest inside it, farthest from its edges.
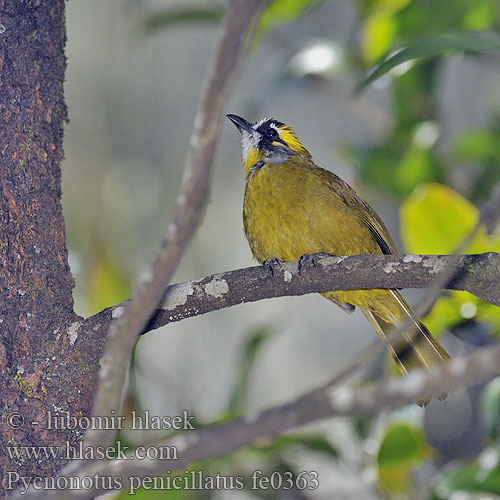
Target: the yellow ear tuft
(289, 136)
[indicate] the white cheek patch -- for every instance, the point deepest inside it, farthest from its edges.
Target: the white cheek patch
(248, 142)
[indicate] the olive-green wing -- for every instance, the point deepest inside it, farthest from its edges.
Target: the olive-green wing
(364, 212)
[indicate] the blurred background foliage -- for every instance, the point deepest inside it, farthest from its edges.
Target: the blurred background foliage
(401, 98)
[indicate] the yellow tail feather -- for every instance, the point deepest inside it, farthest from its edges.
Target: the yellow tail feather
(415, 348)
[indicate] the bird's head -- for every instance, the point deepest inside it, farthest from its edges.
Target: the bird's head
(267, 141)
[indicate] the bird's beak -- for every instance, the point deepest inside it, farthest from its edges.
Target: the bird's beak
(241, 124)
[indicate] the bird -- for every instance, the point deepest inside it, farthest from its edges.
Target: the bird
(294, 209)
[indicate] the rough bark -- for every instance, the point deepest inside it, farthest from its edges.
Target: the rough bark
(478, 274)
(42, 368)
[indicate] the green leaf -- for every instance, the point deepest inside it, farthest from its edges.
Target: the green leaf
(477, 144)
(467, 478)
(433, 45)
(413, 169)
(422, 17)
(311, 442)
(187, 15)
(283, 11)
(401, 443)
(490, 409)
(403, 447)
(250, 351)
(482, 15)
(480, 149)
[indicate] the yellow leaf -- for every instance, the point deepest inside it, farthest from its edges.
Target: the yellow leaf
(106, 283)
(446, 312)
(378, 34)
(435, 219)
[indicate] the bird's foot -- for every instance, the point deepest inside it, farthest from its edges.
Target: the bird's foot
(307, 260)
(271, 266)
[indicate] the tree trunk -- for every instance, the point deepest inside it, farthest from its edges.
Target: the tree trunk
(45, 368)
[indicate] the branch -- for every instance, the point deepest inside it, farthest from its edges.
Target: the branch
(188, 211)
(326, 402)
(478, 274)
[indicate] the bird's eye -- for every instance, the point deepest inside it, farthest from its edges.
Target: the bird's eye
(271, 133)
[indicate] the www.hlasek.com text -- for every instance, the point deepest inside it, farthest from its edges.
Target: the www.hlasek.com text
(79, 451)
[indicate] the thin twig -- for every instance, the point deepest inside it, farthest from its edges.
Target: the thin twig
(188, 211)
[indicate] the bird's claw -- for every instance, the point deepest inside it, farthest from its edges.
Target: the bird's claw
(307, 260)
(271, 265)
